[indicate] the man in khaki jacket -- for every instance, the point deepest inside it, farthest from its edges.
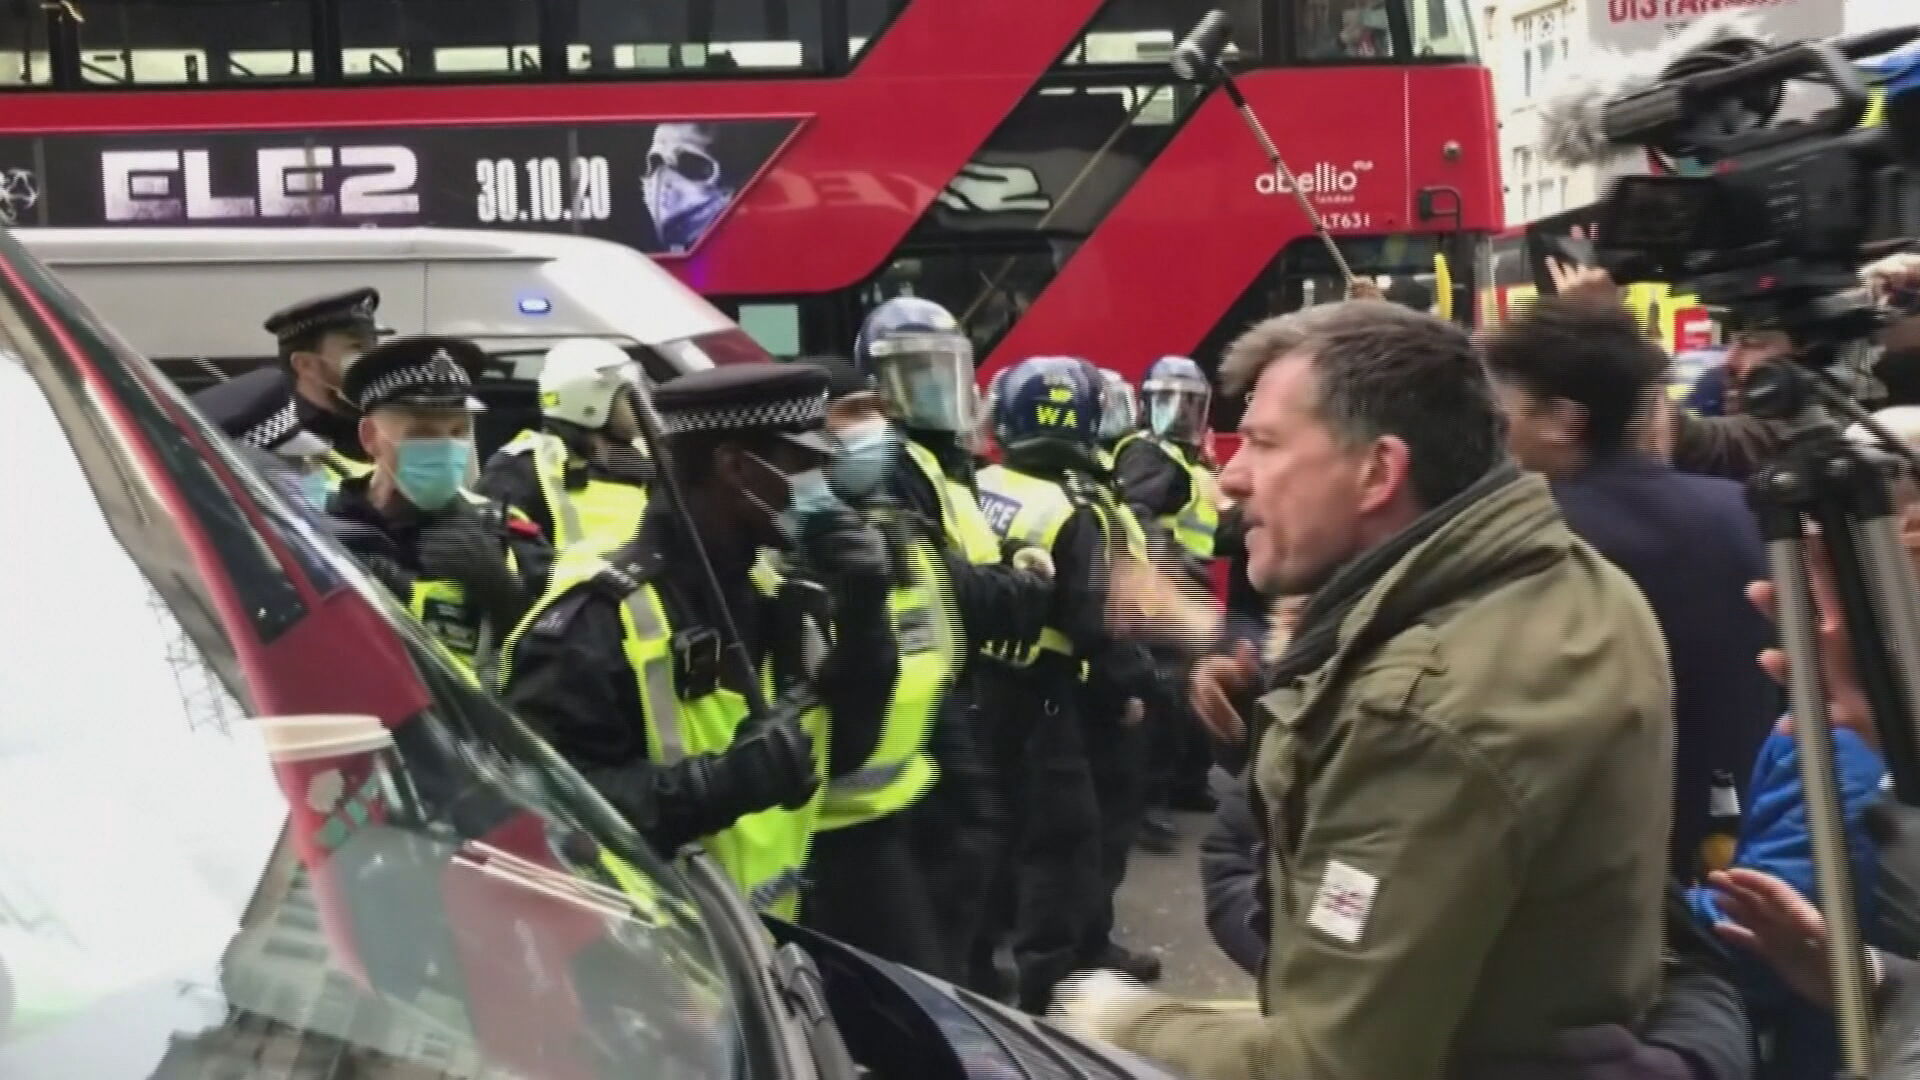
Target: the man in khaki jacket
(1462, 762)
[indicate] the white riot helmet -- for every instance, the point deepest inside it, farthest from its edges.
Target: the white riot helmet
(580, 380)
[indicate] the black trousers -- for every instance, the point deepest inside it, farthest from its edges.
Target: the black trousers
(1117, 762)
(958, 830)
(1180, 752)
(864, 887)
(1052, 852)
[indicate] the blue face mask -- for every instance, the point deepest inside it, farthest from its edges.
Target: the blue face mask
(810, 495)
(314, 485)
(807, 494)
(429, 472)
(865, 453)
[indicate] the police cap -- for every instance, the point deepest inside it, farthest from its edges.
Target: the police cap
(425, 371)
(788, 400)
(257, 409)
(347, 312)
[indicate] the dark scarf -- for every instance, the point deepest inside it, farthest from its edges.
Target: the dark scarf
(1318, 632)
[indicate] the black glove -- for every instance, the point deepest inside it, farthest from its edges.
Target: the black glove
(375, 552)
(458, 546)
(1895, 828)
(773, 762)
(769, 764)
(846, 550)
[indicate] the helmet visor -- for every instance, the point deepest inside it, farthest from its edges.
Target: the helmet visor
(1119, 413)
(927, 380)
(1178, 412)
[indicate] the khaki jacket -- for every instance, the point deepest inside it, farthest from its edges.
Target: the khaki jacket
(1467, 820)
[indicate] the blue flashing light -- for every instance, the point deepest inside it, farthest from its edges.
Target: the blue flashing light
(535, 305)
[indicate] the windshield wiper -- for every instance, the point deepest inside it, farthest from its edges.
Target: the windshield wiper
(805, 992)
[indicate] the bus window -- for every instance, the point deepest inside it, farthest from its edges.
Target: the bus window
(414, 39)
(1145, 31)
(1441, 29)
(1303, 274)
(692, 36)
(161, 42)
(775, 326)
(1359, 30)
(986, 285)
(24, 60)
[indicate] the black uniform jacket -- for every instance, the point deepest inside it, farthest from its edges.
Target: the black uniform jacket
(570, 677)
(372, 536)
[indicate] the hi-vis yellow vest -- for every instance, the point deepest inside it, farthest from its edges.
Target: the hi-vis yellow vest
(601, 516)
(441, 606)
(763, 853)
(933, 649)
(1029, 511)
(959, 511)
(1194, 524)
(340, 468)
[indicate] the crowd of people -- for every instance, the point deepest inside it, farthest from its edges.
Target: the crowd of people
(811, 630)
(1470, 830)
(919, 666)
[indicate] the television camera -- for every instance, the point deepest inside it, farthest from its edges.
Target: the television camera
(1768, 223)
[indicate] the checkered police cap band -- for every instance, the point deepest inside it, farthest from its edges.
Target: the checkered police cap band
(439, 376)
(274, 430)
(789, 414)
(328, 319)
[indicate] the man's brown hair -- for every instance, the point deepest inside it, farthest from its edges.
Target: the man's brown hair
(1383, 369)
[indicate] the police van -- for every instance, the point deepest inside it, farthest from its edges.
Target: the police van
(193, 300)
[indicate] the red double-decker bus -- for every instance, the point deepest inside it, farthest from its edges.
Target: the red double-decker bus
(1034, 166)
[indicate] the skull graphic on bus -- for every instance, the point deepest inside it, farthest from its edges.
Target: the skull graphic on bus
(684, 185)
(18, 195)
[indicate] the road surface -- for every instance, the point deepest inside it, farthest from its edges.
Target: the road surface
(1160, 910)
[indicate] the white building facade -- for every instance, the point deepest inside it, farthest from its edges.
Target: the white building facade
(1532, 44)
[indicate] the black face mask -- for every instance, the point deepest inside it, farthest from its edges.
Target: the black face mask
(340, 428)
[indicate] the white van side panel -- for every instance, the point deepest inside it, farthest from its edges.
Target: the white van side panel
(215, 310)
(205, 292)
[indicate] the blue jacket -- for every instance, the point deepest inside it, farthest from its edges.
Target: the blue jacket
(1692, 546)
(1774, 840)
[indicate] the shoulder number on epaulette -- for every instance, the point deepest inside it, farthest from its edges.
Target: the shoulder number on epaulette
(554, 621)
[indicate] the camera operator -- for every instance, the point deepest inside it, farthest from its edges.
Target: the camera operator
(1463, 758)
(1571, 376)
(1737, 444)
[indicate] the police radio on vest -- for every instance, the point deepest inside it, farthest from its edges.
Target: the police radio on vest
(1322, 177)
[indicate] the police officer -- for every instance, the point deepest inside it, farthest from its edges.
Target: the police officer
(1167, 478)
(464, 566)
(319, 339)
(623, 664)
(866, 882)
(1047, 422)
(1169, 484)
(583, 478)
(262, 420)
(921, 363)
(1112, 716)
(1119, 416)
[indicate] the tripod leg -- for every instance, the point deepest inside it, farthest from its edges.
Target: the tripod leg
(1813, 735)
(1895, 592)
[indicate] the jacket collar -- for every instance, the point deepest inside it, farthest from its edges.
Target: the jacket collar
(1498, 526)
